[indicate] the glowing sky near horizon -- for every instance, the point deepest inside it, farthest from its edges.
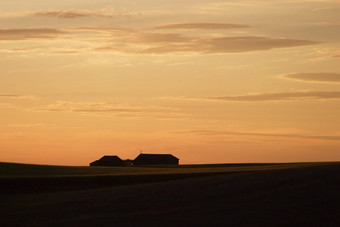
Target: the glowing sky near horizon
(207, 81)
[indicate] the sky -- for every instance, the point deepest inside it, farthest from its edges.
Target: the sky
(207, 81)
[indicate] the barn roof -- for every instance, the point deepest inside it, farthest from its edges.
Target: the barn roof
(156, 156)
(109, 158)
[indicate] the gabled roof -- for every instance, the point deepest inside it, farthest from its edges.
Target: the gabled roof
(156, 156)
(109, 158)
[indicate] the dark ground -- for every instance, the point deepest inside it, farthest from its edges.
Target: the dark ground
(305, 196)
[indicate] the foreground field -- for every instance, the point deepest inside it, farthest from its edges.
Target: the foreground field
(27, 178)
(269, 195)
(10, 170)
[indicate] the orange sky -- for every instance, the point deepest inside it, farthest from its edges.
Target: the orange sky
(207, 81)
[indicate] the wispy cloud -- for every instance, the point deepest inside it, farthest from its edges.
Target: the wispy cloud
(113, 109)
(14, 96)
(110, 30)
(152, 39)
(74, 13)
(314, 77)
(30, 33)
(33, 125)
(63, 14)
(134, 41)
(10, 137)
(233, 44)
(300, 95)
(172, 43)
(10, 96)
(202, 26)
(107, 13)
(6, 105)
(89, 107)
(270, 96)
(258, 134)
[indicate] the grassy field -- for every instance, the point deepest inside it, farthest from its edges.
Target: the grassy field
(19, 178)
(16, 170)
(296, 194)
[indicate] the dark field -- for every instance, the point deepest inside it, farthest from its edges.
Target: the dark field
(300, 194)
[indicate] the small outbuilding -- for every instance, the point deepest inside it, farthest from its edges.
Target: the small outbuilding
(156, 159)
(108, 161)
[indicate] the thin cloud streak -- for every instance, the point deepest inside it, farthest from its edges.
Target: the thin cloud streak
(62, 14)
(10, 96)
(32, 125)
(6, 105)
(280, 96)
(130, 41)
(30, 33)
(172, 43)
(231, 133)
(202, 26)
(154, 39)
(88, 107)
(73, 13)
(270, 96)
(14, 96)
(314, 77)
(110, 109)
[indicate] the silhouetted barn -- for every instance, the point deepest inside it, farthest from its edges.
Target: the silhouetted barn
(108, 161)
(156, 159)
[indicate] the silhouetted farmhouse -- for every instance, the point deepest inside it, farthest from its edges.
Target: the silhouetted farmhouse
(155, 159)
(108, 161)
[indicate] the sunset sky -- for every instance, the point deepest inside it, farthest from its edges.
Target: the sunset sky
(207, 81)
